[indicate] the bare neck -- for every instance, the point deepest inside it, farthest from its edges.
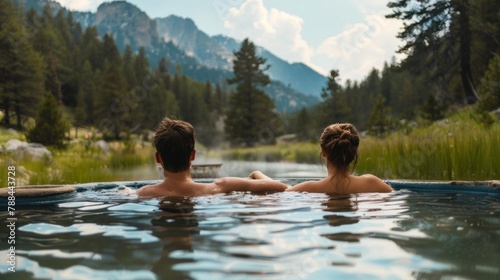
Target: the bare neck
(335, 173)
(183, 176)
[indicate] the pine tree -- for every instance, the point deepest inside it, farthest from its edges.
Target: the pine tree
(208, 96)
(431, 110)
(155, 102)
(111, 109)
(218, 100)
(109, 51)
(379, 123)
(432, 29)
(48, 41)
(50, 128)
(303, 125)
(21, 79)
(185, 99)
(490, 86)
(164, 79)
(141, 67)
(172, 107)
(250, 109)
(334, 108)
(176, 86)
(128, 68)
(91, 47)
(86, 103)
(163, 73)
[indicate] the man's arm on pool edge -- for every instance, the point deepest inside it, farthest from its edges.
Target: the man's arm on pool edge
(229, 184)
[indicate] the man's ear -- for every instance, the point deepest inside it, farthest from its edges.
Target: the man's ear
(323, 153)
(193, 155)
(158, 158)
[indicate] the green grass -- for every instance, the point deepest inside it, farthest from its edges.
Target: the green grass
(77, 165)
(455, 149)
(7, 134)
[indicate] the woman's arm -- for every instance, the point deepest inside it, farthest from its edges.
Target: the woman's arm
(230, 184)
(301, 187)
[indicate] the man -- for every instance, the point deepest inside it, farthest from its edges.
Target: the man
(174, 142)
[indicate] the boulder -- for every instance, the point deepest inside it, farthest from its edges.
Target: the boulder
(33, 151)
(12, 132)
(103, 145)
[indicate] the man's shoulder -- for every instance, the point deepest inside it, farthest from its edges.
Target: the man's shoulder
(148, 190)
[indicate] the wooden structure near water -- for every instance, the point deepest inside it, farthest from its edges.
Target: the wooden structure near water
(205, 170)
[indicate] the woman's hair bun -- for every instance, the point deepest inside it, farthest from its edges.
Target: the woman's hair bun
(340, 143)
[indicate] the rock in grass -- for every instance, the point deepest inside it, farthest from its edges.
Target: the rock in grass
(33, 151)
(103, 146)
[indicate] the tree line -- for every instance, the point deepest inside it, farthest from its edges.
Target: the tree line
(452, 61)
(46, 55)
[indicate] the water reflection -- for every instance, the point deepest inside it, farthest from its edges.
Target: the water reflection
(402, 235)
(74, 240)
(175, 225)
(461, 229)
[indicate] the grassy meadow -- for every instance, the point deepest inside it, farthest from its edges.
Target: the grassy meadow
(80, 163)
(446, 151)
(457, 148)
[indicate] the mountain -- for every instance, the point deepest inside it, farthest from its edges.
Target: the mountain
(217, 52)
(184, 34)
(128, 24)
(38, 5)
(201, 57)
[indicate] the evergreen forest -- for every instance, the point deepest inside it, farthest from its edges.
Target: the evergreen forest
(452, 62)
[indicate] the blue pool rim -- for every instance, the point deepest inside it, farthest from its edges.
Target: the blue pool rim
(488, 188)
(470, 187)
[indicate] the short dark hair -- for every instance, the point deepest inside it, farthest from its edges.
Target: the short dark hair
(174, 140)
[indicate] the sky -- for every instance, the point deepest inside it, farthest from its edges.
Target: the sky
(351, 36)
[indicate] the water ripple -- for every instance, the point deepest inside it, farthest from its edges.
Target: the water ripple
(127, 232)
(100, 234)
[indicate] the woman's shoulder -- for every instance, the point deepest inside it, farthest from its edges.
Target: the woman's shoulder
(307, 186)
(372, 183)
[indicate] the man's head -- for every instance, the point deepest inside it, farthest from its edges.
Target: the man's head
(174, 142)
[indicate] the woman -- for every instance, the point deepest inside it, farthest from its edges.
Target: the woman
(339, 145)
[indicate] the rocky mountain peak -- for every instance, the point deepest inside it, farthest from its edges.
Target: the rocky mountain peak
(129, 25)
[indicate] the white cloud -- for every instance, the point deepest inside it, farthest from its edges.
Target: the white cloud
(275, 30)
(360, 47)
(80, 5)
(354, 52)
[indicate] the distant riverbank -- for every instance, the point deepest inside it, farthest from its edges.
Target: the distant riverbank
(453, 149)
